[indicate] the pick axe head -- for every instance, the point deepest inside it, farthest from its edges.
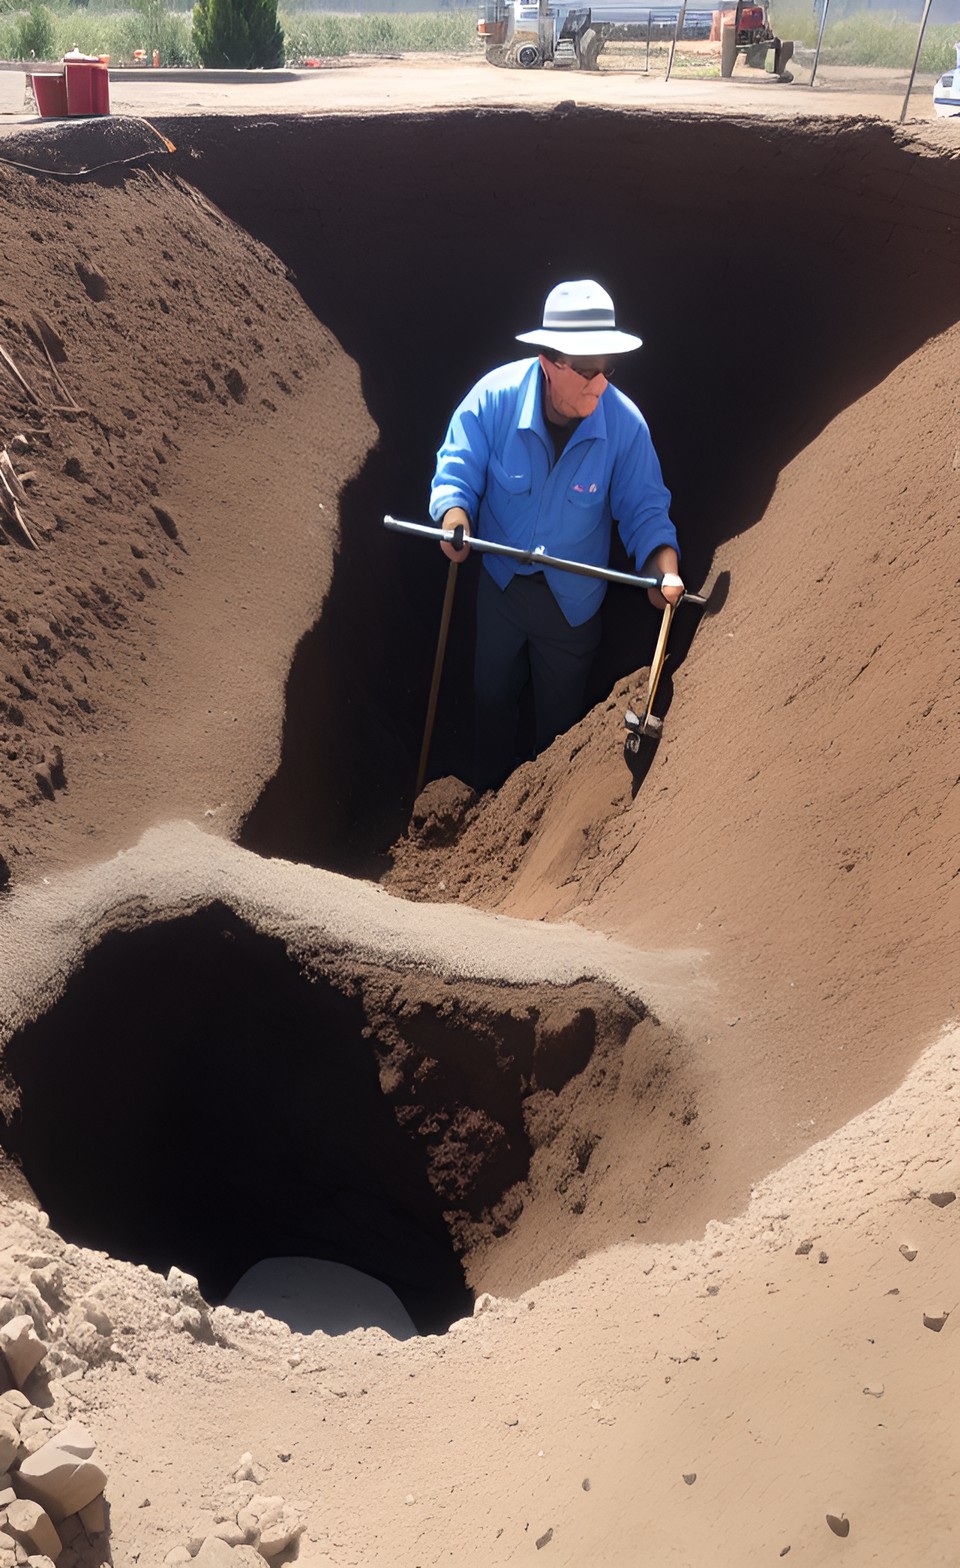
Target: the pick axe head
(648, 726)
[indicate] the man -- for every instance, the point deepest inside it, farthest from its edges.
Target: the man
(545, 454)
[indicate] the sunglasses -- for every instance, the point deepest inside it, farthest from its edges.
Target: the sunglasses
(589, 375)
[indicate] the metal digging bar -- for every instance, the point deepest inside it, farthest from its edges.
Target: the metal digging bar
(456, 537)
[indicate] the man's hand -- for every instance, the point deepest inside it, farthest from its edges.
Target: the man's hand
(456, 517)
(662, 563)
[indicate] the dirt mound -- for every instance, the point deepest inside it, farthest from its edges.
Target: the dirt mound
(144, 641)
(800, 816)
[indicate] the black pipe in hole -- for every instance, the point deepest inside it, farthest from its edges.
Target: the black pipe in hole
(194, 1099)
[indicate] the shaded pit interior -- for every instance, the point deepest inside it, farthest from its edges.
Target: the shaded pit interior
(198, 1098)
(775, 271)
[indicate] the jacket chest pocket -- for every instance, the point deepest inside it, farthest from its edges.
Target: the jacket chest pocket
(584, 522)
(517, 481)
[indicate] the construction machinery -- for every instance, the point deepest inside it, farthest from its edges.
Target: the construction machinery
(567, 33)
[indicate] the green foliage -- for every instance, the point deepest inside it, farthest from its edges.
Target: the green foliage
(35, 36)
(242, 34)
(118, 34)
(321, 35)
(878, 38)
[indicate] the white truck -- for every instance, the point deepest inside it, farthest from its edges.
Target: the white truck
(533, 33)
(946, 94)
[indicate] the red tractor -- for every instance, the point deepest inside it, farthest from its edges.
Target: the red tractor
(745, 29)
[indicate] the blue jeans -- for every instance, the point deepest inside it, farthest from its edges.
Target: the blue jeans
(523, 635)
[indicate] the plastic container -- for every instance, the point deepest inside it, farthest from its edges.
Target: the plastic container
(50, 91)
(88, 85)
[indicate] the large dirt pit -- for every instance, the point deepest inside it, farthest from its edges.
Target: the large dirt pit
(635, 1084)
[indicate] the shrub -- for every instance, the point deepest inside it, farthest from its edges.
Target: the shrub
(35, 37)
(244, 34)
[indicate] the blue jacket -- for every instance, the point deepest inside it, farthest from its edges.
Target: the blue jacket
(497, 462)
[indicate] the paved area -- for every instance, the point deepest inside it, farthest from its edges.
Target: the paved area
(425, 82)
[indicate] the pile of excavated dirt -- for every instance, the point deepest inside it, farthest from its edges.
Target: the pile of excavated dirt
(799, 818)
(640, 1070)
(160, 398)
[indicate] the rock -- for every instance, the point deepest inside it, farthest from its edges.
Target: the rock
(935, 1320)
(93, 1516)
(69, 1528)
(215, 1553)
(184, 1288)
(22, 1350)
(77, 1440)
(248, 1470)
(278, 1531)
(48, 1280)
(190, 1320)
(230, 1532)
(439, 810)
(262, 1507)
(246, 1557)
(9, 1441)
(35, 1430)
(202, 1526)
(31, 1526)
(61, 1474)
(15, 1405)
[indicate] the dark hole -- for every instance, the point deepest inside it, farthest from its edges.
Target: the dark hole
(194, 1099)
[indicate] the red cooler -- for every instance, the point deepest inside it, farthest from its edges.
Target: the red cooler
(88, 85)
(50, 91)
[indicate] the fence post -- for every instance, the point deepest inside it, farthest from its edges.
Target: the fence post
(916, 59)
(678, 29)
(816, 58)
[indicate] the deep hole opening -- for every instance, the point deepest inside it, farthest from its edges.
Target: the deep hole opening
(198, 1098)
(195, 1100)
(772, 278)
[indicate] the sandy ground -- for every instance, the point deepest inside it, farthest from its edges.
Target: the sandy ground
(717, 1310)
(442, 82)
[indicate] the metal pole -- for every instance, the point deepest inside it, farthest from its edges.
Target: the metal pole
(678, 29)
(916, 59)
(646, 63)
(527, 557)
(816, 57)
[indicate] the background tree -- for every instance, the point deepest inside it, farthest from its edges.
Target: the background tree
(244, 34)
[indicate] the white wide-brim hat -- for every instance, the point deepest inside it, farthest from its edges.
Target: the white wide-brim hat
(578, 318)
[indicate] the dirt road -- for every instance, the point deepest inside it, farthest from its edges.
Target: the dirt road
(425, 82)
